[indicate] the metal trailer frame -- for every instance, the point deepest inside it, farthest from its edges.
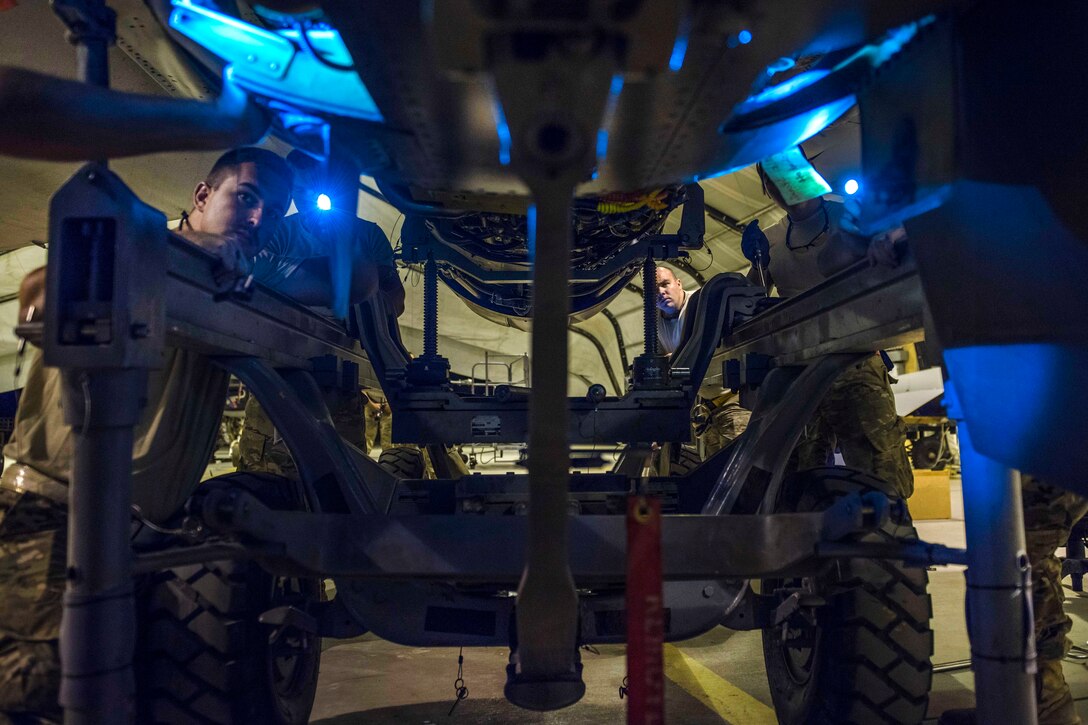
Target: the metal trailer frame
(104, 333)
(403, 550)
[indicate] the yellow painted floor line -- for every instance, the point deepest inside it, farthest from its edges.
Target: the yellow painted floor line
(731, 703)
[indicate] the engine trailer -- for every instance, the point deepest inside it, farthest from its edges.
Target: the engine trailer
(450, 561)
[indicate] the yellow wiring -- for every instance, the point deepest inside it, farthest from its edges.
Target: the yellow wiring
(623, 203)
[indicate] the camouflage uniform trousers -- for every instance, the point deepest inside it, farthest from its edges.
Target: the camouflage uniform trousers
(1049, 515)
(858, 415)
(33, 550)
(262, 450)
(727, 420)
(379, 428)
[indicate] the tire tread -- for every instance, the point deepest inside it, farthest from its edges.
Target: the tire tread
(196, 663)
(877, 626)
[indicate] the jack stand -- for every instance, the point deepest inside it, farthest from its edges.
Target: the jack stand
(999, 611)
(650, 369)
(104, 328)
(97, 635)
(430, 368)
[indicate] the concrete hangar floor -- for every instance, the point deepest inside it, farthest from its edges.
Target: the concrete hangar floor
(715, 678)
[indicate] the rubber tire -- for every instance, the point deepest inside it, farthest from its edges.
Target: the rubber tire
(202, 656)
(404, 462)
(870, 662)
(924, 452)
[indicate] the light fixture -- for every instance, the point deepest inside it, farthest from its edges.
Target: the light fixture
(851, 186)
(324, 203)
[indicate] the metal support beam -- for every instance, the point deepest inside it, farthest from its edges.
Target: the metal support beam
(757, 460)
(999, 611)
(462, 547)
(863, 308)
(97, 636)
(263, 324)
(104, 335)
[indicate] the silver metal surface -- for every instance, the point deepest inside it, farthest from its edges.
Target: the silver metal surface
(463, 548)
(267, 325)
(862, 309)
(998, 589)
(757, 459)
(331, 470)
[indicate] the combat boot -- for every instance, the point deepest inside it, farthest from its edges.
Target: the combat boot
(1051, 694)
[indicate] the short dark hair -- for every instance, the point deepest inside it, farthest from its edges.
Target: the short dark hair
(262, 158)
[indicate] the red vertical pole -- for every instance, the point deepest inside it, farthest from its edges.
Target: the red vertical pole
(645, 613)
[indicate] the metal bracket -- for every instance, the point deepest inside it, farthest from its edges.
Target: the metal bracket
(87, 20)
(691, 233)
(747, 371)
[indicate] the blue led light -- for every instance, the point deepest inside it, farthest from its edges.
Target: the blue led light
(679, 50)
(324, 203)
(744, 37)
(851, 186)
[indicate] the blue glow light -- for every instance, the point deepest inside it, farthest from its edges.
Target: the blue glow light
(851, 186)
(789, 87)
(787, 133)
(679, 50)
(781, 65)
(530, 223)
(1024, 439)
(502, 128)
(614, 89)
(744, 37)
(324, 203)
